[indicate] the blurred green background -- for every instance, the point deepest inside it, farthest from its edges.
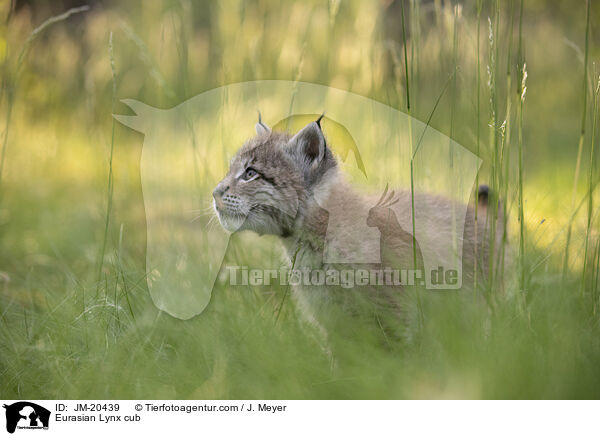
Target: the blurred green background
(76, 320)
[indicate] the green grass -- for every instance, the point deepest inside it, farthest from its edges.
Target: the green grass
(582, 134)
(76, 318)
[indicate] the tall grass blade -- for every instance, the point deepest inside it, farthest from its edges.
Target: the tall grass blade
(581, 136)
(590, 209)
(109, 190)
(412, 183)
(522, 89)
(478, 150)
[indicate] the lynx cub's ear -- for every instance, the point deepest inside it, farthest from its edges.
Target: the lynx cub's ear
(309, 144)
(261, 127)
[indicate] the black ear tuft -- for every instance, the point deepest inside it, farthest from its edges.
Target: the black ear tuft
(319, 120)
(261, 128)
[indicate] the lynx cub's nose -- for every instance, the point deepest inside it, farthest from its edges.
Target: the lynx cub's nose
(218, 194)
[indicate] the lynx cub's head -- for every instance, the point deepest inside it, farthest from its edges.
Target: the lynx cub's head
(271, 179)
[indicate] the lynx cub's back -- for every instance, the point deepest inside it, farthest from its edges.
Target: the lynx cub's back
(291, 186)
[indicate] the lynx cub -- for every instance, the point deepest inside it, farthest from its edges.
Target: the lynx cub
(277, 185)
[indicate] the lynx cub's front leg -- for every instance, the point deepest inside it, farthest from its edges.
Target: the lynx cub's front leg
(307, 315)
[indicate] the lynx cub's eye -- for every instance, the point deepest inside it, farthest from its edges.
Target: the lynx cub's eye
(249, 174)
